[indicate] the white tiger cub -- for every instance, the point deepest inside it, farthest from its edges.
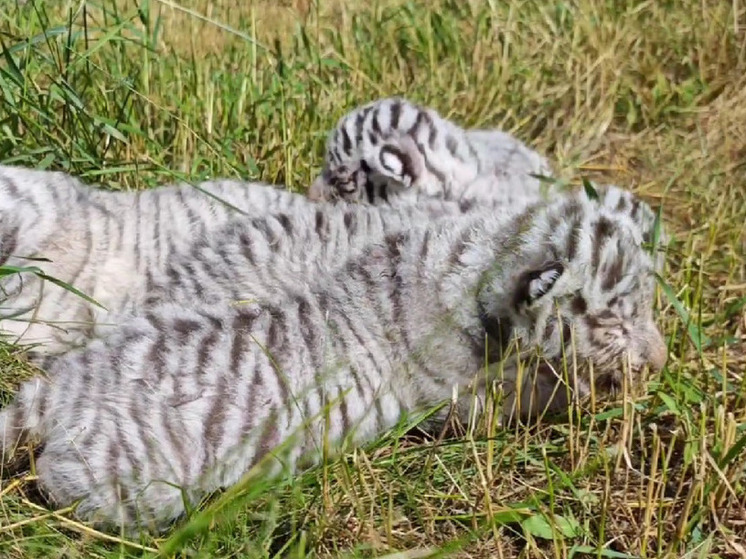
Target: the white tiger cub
(394, 151)
(121, 248)
(194, 396)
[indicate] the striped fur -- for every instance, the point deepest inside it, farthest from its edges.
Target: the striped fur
(268, 254)
(259, 258)
(112, 246)
(394, 151)
(194, 396)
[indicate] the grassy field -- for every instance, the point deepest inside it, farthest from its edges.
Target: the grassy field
(649, 95)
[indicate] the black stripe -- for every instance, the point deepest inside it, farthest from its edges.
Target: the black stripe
(342, 394)
(261, 225)
(635, 208)
(473, 153)
(190, 275)
(372, 390)
(139, 418)
(376, 125)
(119, 227)
(82, 385)
(171, 421)
(276, 348)
(308, 332)
(405, 160)
(350, 222)
(214, 428)
(333, 142)
(346, 141)
(612, 273)
(112, 465)
(25, 197)
(286, 224)
(459, 248)
(12, 187)
(573, 240)
(203, 374)
(252, 406)
(603, 230)
(424, 251)
(246, 244)
(370, 190)
(132, 456)
(8, 243)
(206, 347)
(399, 313)
(421, 119)
(432, 136)
(384, 192)
(359, 121)
(377, 365)
(322, 225)
(396, 108)
(270, 437)
(428, 165)
(499, 332)
(451, 145)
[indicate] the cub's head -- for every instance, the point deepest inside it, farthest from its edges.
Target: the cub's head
(372, 155)
(577, 287)
(381, 172)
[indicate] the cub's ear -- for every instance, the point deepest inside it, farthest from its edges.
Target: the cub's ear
(534, 284)
(398, 159)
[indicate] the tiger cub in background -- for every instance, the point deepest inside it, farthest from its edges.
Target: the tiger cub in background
(193, 396)
(394, 151)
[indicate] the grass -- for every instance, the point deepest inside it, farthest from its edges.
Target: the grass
(649, 95)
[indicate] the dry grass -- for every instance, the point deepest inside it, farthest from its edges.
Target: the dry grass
(649, 95)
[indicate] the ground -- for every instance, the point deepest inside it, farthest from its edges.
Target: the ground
(648, 95)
